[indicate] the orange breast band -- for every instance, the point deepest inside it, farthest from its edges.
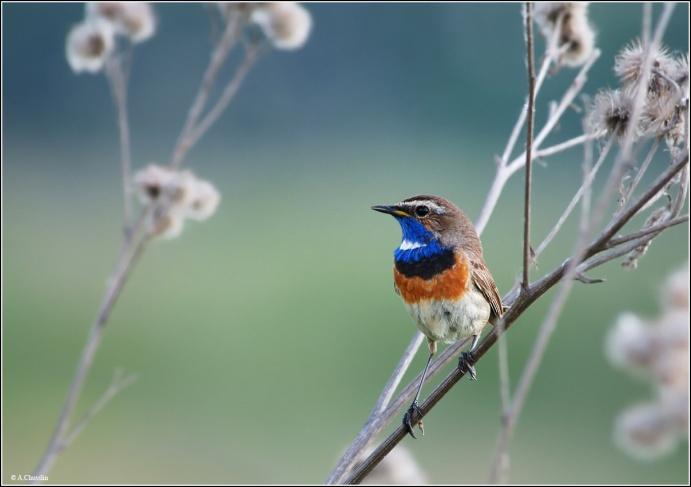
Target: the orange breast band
(449, 284)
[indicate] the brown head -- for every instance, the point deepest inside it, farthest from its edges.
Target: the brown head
(440, 219)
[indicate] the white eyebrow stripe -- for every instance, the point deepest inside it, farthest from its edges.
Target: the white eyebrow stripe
(408, 245)
(433, 206)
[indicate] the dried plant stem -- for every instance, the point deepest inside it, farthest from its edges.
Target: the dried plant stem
(641, 171)
(579, 253)
(363, 438)
(518, 303)
(219, 55)
(118, 384)
(504, 172)
(131, 250)
(614, 242)
(117, 79)
(529, 142)
(251, 55)
(587, 183)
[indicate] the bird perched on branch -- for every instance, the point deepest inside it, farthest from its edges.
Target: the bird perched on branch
(440, 274)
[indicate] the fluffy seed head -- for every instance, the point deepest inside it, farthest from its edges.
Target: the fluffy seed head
(166, 226)
(287, 25)
(180, 195)
(645, 431)
(663, 116)
(203, 202)
(548, 15)
(629, 343)
(676, 291)
(578, 39)
(136, 20)
(628, 66)
(153, 181)
(88, 45)
(610, 112)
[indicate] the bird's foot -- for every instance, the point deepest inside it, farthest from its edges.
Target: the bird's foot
(465, 363)
(413, 417)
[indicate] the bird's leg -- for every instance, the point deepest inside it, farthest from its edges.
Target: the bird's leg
(465, 361)
(414, 414)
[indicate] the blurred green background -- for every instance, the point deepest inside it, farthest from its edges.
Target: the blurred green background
(262, 337)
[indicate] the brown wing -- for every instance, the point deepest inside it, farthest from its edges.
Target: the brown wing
(485, 283)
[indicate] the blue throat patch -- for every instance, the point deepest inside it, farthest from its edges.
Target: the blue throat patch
(416, 235)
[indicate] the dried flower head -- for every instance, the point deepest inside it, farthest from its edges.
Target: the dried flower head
(610, 112)
(663, 116)
(168, 225)
(675, 293)
(565, 26)
(577, 40)
(88, 45)
(287, 25)
(629, 343)
(645, 431)
(136, 20)
(628, 66)
(549, 15)
(178, 195)
(203, 201)
(153, 181)
(661, 348)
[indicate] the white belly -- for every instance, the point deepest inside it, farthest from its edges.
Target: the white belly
(449, 321)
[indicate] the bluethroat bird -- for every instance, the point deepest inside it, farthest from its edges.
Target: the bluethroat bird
(440, 273)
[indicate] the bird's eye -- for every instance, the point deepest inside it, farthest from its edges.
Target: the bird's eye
(421, 211)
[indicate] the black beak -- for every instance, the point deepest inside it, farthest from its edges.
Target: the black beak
(390, 210)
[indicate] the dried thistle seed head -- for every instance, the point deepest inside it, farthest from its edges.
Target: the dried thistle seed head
(663, 116)
(675, 293)
(610, 112)
(88, 45)
(153, 181)
(136, 20)
(645, 431)
(628, 66)
(549, 15)
(203, 202)
(576, 40)
(167, 226)
(286, 25)
(629, 343)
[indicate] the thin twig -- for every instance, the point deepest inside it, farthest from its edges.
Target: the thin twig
(529, 142)
(118, 79)
(117, 385)
(364, 438)
(251, 55)
(587, 183)
(132, 249)
(219, 55)
(498, 469)
(641, 172)
(614, 242)
(504, 173)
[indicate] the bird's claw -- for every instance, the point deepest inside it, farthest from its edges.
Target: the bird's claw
(412, 418)
(465, 363)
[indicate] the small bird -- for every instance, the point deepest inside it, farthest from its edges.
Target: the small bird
(440, 274)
